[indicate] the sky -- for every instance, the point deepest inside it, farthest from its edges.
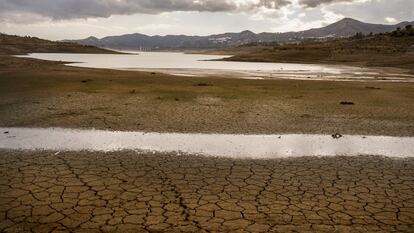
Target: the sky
(77, 19)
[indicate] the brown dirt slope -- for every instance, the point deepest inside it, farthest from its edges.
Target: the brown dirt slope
(17, 45)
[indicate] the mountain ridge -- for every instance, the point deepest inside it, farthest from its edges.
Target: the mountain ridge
(343, 28)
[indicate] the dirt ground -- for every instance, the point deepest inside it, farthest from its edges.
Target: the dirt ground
(128, 192)
(132, 192)
(45, 94)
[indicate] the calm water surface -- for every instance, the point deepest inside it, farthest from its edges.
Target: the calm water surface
(204, 65)
(222, 145)
(166, 60)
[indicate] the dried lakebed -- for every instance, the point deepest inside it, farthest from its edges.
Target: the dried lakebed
(156, 190)
(218, 145)
(124, 192)
(209, 65)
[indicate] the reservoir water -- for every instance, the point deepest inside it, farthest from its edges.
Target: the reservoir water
(166, 60)
(205, 65)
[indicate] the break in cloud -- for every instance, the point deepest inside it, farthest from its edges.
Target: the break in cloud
(315, 3)
(12, 10)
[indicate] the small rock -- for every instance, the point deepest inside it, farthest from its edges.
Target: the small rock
(373, 88)
(337, 136)
(347, 103)
(202, 85)
(7, 132)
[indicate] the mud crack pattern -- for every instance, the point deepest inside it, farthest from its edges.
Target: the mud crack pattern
(129, 192)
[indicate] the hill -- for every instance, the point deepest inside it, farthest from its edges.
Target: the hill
(344, 28)
(348, 27)
(17, 45)
(394, 49)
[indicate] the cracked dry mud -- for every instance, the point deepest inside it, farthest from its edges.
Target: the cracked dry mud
(130, 192)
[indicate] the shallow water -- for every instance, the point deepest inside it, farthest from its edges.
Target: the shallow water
(222, 145)
(205, 65)
(166, 60)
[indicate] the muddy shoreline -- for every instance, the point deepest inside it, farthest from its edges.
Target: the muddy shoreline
(37, 93)
(43, 191)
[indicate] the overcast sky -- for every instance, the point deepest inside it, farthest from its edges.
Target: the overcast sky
(75, 19)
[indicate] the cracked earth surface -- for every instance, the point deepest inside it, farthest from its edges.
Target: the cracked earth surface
(130, 192)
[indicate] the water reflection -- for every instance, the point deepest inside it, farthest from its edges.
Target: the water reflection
(205, 65)
(222, 145)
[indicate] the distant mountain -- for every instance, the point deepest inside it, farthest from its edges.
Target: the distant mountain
(343, 28)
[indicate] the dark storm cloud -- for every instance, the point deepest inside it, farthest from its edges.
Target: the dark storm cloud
(315, 3)
(71, 9)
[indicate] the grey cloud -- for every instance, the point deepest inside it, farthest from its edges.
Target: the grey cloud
(72, 9)
(376, 11)
(315, 3)
(274, 3)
